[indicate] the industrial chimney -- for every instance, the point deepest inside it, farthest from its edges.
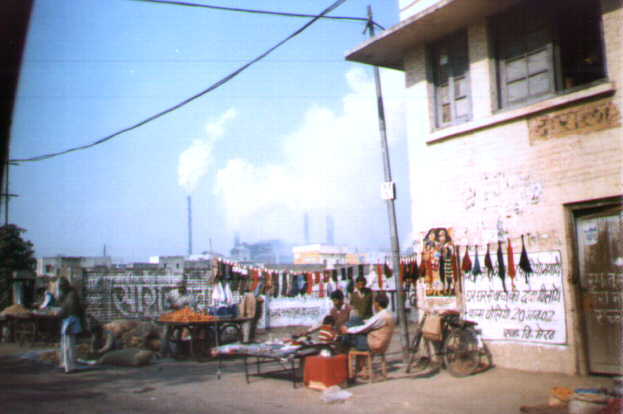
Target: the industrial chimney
(190, 228)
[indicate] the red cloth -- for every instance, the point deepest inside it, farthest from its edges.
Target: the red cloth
(317, 277)
(511, 263)
(321, 290)
(379, 274)
(310, 282)
(324, 372)
(467, 262)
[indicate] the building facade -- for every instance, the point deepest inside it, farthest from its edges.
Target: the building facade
(514, 134)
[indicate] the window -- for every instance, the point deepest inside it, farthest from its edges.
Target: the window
(450, 70)
(543, 48)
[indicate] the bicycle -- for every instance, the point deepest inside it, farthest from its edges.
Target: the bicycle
(456, 341)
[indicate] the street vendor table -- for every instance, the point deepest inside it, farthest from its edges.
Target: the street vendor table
(289, 357)
(206, 334)
(33, 327)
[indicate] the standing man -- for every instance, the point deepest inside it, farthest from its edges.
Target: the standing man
(173, 301)
(361, 299)
(71, 313)
(249, 310)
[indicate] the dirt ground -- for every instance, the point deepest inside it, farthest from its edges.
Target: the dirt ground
(170, 386)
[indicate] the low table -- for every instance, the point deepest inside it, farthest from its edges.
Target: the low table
(290, 358)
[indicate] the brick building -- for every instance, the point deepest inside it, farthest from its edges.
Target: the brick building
(514, 129)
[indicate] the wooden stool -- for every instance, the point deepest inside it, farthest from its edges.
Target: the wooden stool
(352, 363)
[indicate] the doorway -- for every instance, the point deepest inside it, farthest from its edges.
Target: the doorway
(599, 252)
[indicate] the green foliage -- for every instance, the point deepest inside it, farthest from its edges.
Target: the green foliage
(15, 252)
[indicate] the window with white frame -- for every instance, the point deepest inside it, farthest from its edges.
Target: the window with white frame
(545, 48)
(450, 76)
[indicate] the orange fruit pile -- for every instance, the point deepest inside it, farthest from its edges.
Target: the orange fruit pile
(186, 315)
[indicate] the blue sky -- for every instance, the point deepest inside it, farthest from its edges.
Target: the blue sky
(296, 132)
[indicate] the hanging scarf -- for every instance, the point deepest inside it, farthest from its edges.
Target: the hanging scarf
(284, 283)
(466, 266)
(321, 289)
(360, 270)
(415, 271)
(379, 275)
(524, 262)
(310, 283)
(456, 270)
(488, 263)
(403, 271)
(334, 275)
(501, 267)
(387, 271)
(343, 273)
(476, 269)
(511, 264)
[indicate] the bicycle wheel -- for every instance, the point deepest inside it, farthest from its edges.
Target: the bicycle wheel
(461, 354)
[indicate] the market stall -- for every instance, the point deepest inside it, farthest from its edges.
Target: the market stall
(201, 330)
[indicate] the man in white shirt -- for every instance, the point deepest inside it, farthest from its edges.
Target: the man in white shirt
(376, 332)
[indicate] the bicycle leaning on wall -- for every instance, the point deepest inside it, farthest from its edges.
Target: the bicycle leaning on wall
(457, 344)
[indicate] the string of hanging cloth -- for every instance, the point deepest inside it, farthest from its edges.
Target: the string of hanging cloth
(455, 259)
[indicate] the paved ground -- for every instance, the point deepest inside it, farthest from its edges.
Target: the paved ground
(170, 386)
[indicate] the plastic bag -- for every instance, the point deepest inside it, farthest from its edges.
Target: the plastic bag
(335, 394)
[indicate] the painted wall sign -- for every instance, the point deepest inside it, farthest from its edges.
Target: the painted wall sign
(301, 311)
(591, 117)
(533, 312)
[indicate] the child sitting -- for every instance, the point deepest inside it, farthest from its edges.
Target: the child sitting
(327, 333)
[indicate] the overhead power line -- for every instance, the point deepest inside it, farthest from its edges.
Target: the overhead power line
(190, 99)
(269, 12)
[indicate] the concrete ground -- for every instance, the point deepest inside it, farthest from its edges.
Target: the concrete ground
(170, 386)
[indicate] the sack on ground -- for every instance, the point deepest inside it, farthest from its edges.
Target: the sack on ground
(130, 357)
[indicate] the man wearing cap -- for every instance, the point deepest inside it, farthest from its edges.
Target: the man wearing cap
(174, 300)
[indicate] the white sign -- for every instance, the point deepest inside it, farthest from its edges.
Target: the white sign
(388, 190)
(531, 311)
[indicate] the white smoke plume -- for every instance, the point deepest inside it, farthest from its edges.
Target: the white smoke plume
(332, 166)
(195, 161)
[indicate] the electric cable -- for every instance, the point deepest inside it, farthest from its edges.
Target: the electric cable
(269, 12)
(187, 100)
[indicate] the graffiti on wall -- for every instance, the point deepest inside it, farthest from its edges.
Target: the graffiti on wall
(578, 120)
(532, 312)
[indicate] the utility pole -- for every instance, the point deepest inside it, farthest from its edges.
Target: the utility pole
(389, 194)
(7, 196)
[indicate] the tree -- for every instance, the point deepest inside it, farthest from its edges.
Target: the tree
(15, 254)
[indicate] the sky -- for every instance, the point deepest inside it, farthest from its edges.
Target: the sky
(295, 133)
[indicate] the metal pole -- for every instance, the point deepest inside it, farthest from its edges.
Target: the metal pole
(391, 211)
(6, 194)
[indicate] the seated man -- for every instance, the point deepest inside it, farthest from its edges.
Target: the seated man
(376, 333)
(340, 312)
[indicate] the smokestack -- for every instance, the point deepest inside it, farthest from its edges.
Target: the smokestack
(306, 227)
(330, 237)
(190, 228)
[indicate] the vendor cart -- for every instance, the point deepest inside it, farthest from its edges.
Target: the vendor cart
(204, 335)
(31, 328)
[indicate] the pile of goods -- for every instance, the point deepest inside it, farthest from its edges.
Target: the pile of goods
(186, 315)
(16, 310)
